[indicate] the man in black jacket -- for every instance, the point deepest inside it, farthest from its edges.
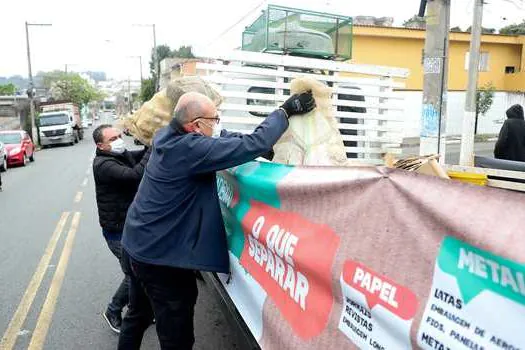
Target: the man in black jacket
(511, 140)
(117, 174)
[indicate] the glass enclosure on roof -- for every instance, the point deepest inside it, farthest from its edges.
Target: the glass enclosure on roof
(298, 32)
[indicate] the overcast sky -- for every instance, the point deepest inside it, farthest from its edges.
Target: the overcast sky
(99, 35)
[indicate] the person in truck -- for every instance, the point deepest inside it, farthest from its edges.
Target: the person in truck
(117, 174)
(174, 226)
(511, 140)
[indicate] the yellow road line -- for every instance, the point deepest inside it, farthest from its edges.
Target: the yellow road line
(48, 309)
(10, 335)
(78, 197)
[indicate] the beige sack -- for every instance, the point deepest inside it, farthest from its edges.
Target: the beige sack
(158, 112)
(312, 139)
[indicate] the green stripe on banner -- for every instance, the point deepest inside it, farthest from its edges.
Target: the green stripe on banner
(477, 270)
(253, 181)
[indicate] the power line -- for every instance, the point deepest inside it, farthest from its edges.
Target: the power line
(237, 23)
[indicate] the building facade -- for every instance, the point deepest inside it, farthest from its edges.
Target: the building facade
(501, 63)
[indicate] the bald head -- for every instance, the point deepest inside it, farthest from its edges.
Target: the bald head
(196, 113)
(193, 105)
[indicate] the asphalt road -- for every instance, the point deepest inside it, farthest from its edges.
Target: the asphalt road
(485, 149)
(53, 298)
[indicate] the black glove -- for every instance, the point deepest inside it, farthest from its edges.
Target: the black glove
(299, 104)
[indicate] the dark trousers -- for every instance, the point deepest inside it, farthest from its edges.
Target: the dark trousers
(121, 296)
(169, 295)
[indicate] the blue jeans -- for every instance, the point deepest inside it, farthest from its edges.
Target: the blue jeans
(121, 296)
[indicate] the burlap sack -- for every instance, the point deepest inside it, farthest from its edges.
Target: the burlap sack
(157, 112)
(312, 139)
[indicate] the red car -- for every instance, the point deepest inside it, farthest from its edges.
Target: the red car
(19, 147)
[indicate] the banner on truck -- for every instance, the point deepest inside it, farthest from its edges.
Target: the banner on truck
(373, 258)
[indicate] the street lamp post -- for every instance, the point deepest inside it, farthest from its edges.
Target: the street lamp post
(67, 81)
(141, 78)
(156, 62)
(34, 132)
(130, 102)
(66, 65)
(140, 63)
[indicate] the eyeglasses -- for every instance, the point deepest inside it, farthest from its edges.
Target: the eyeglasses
(216, 118)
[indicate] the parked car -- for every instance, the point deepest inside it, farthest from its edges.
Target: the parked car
(3, 157)
(20, 149)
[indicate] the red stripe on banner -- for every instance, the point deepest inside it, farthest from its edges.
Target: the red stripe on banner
(380, 290)
(282, 252)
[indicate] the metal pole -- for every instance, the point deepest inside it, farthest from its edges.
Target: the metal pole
(435, 81)
(34, 132)
(156, 59)
(130, 104)
(466, 156)
(140, 62)
(156, 63)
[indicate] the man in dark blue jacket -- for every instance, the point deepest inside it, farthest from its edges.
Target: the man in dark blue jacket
(174, 226)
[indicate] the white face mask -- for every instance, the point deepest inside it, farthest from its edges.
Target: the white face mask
(217, 128)
(118, 146)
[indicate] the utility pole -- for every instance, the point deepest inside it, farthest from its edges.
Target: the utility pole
(140, 63)
(156, 59)
(466, 156)
(156, 63)
(141, 77)
(31, 89)
(130, 103)
(435, 81)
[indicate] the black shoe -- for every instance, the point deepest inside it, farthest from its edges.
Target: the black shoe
(113, 320)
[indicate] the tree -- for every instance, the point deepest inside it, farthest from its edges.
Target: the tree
(71, 87)
(415, 22)
(7, 89)
(483, 30)
(97, 76)
(163, 52)
(513, 29)
(484, 100)
(183, 52)
(147, 89)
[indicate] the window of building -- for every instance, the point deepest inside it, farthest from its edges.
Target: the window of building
(483, 61)
(510, 70)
